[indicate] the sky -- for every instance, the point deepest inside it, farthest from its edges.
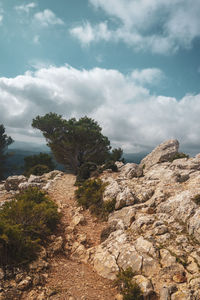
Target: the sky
(132, 65)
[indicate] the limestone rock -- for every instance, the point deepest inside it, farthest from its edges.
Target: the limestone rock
(180, 206)
(125, 198)
(12, 182)
(145, 284)
(24, 284)
(130, 170)
(163, 152)
(166, 258)
(126, 215)
(56, 245)
(111, 190)
(78, 219)
(165, 293)
(181, 295)
(146, 247)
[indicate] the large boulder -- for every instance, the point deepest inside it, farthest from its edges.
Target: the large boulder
(162, 153)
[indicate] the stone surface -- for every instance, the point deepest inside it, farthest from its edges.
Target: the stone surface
(164, 152)
(12, 182)
(24, 284)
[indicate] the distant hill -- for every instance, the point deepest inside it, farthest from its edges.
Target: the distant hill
(134, 157)
(15, 163)
(19, 150)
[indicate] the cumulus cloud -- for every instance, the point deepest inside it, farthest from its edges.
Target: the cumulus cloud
(160, 25)
(25, 7)
(129, 114)
(151, 76)
(1, 19)
(47, 17)
(86, 33)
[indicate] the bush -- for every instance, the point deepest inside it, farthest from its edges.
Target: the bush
(179, 155)
(85, 171)
(38, 170)
(110, 165)
(129, 289)
(25, 223)
(90, 196)
(38, 164)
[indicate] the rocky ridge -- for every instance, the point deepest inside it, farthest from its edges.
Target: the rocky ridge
(155, 227)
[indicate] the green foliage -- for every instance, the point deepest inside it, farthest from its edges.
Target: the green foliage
(90, 196)
(179, 155)
(25, 224)
(116, 155)
(196, 199)
(110, 165)
(38, 164)
(5, 141)
(38, 170)
(129, 289)
(109, 205)
(90, 193)
(85, 171)
(73, 142)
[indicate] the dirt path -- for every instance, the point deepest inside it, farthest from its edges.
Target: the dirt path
(72, 279)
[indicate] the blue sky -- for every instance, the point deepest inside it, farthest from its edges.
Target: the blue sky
(133, 65)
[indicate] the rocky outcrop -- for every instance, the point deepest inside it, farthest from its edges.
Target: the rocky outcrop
(164, 152)
(155, 228)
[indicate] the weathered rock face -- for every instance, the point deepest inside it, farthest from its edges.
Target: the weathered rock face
(155, 227)
(164, 152)
(12, 182)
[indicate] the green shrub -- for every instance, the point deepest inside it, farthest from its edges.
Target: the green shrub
(85, 171)
(110, 165)
(179, 155)
(32, 163)
(25, 223)
(129, 289)
(90, 196)
(38, 170)
(196, 199)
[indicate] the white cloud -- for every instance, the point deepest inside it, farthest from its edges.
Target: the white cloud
(25, 7)
(163, 26)
(47, 17)
(129, 115)
(86, 33)
(151, 76)
(1, 19)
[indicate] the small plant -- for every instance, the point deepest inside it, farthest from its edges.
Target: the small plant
(38, 170)
(90, 196)
(110, 165)
(38, 164)
(129, 289)
(196, 199)
(179, 155)
(25, 224)
(85, 171)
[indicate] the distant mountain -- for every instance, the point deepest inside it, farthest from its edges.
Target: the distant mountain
(134, 157)
(19, 150)
(29, 147)
(15, 162)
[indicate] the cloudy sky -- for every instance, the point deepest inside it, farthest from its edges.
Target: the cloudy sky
(132, 65)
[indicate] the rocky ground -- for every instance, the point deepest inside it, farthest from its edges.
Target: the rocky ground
(155, 229)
